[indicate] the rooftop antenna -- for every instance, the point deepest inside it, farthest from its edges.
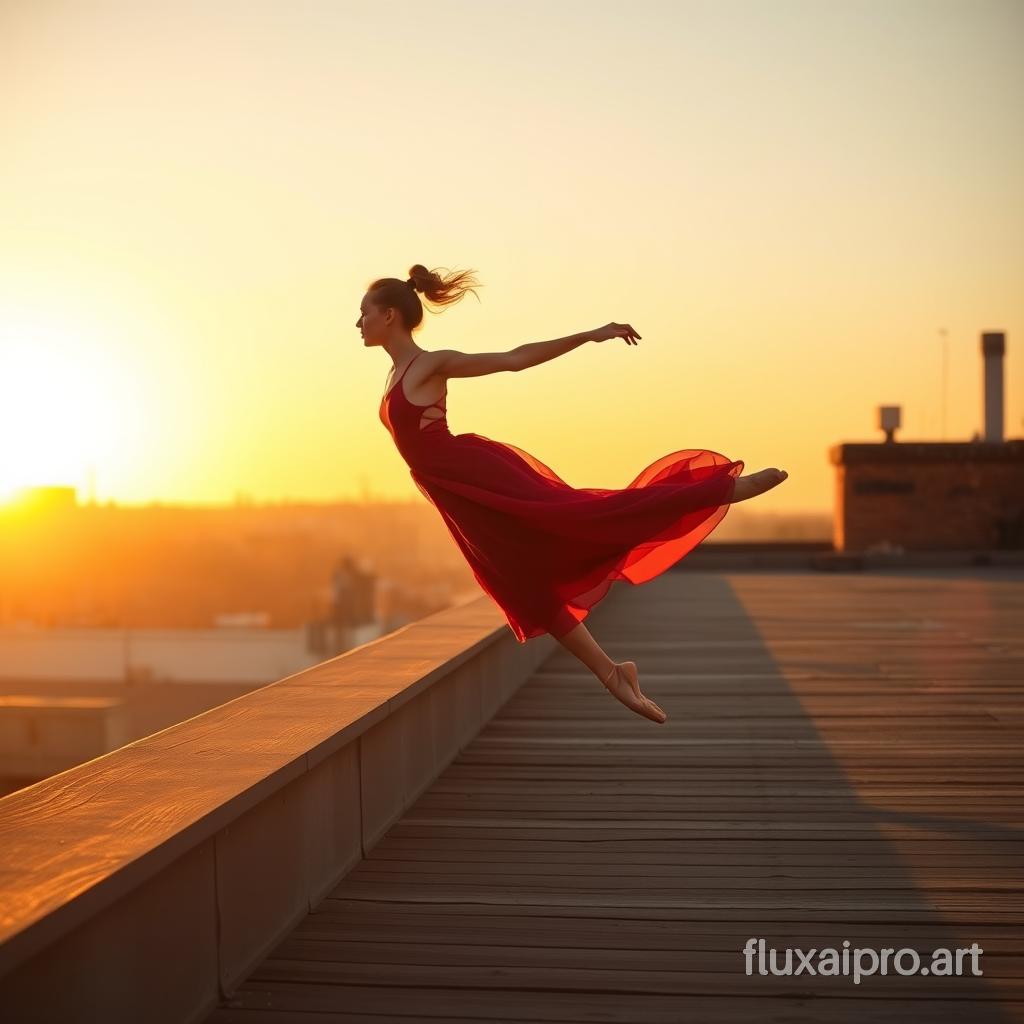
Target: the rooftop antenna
(945, 358)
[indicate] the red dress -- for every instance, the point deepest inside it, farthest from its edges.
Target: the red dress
(544, 551)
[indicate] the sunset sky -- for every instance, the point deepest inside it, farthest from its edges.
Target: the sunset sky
(788, 200)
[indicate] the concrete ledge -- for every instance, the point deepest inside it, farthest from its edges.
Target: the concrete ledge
(145, 884)
(821, 556)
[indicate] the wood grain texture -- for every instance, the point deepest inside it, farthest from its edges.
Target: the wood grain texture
(842, 761)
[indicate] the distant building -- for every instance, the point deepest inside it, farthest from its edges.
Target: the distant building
(352, 595)
(352, 618)
(934, 495)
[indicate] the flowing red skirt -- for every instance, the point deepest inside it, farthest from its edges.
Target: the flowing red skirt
(547, 552)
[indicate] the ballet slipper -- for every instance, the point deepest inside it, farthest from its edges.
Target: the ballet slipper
(626, 690)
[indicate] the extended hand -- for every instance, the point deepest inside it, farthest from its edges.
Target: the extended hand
(615, 331)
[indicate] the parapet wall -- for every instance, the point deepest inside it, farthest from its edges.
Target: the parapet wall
(144, 885)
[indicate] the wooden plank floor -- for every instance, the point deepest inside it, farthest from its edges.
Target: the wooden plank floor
(842, 762)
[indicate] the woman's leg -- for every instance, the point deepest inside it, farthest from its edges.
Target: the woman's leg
(620, 678)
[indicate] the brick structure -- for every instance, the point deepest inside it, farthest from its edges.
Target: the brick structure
(929, 495)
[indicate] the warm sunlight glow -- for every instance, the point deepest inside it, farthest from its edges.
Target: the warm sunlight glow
(807, 210)
(61, 402)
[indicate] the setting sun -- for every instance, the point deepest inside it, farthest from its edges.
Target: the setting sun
(63, 404)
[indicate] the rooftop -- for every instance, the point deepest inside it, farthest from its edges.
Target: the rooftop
(841, 762)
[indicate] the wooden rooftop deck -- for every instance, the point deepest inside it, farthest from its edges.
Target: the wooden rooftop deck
(842, 761)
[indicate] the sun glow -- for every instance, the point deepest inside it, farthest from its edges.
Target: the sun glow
(61, 402)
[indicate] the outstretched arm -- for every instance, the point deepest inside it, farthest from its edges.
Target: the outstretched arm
(452, 363)
(541, 351)
(449, 362)
(536, 352)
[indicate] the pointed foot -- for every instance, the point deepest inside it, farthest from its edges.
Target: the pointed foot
(752, 484)
(622, 683)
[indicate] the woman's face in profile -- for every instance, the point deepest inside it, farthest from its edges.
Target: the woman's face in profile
(370, 322)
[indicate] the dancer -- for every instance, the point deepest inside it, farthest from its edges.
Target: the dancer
(545, 552)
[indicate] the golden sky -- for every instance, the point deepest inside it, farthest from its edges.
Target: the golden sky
(788, 200)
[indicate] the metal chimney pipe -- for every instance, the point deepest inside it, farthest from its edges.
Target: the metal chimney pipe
(993, 346)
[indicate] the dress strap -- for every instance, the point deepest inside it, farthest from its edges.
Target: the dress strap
(408, 364)
(402, 374)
